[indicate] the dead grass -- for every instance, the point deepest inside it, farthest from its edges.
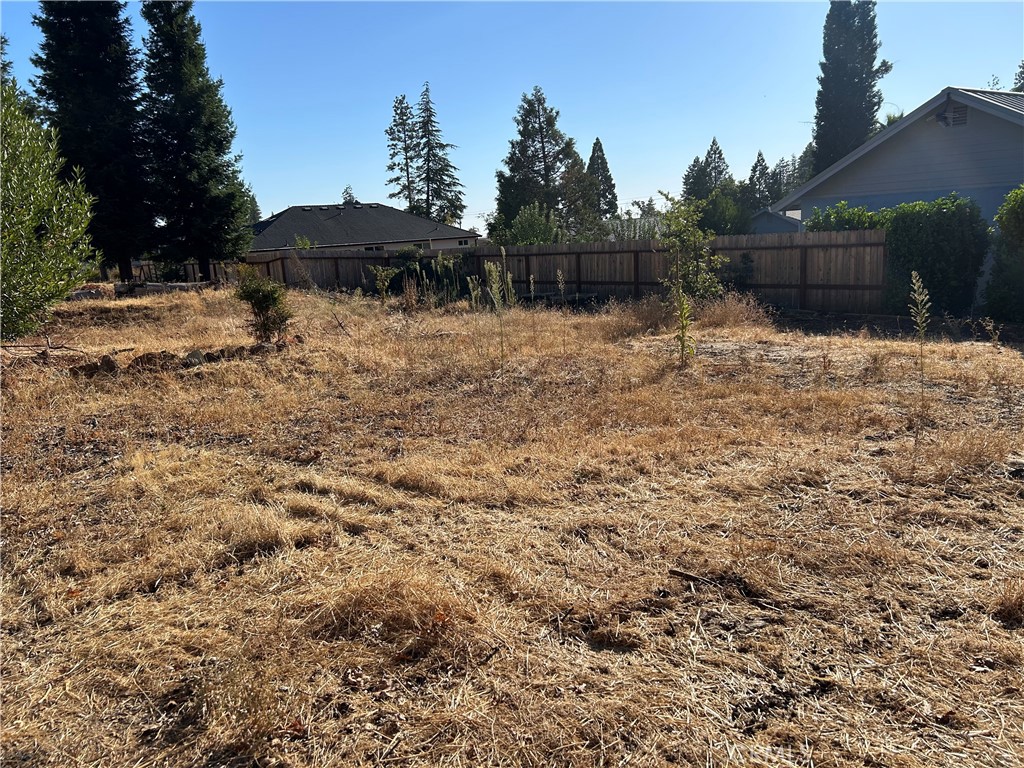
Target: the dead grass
(386, 545)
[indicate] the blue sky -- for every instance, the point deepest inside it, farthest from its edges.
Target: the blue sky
(311, 84)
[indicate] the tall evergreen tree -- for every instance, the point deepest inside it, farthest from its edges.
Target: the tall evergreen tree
(758, 188)
(536, 159)
(198, 192)
(715, 166)
(848, 97)
(702, 177)
(403, 153)
(581, 203)
(442, 191)
(696, 184)
(88, 89)
(1018, 79)
(597, 167)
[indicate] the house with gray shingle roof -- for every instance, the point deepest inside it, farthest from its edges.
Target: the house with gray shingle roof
(964, 140)
(357, 226)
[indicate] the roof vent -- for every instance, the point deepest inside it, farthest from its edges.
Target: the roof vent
(374, 205)
(306, 208)
(357, 206)
(325, 207)
(340, 207)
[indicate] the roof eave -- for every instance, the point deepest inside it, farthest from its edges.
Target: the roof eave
(792, 200)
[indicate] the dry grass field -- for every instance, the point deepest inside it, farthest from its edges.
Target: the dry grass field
(385, 545)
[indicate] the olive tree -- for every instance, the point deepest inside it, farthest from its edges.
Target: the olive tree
(44, 245)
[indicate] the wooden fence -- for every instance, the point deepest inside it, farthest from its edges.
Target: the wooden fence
(827, 271)
(597, 270)
(823, 271)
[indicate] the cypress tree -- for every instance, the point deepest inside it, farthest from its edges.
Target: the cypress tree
(88, 89)
(597, 168)
(848, 97)
(198, 191)
(536, 159)
(403, 148)
(442, 195)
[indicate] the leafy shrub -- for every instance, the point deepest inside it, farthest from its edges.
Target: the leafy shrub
(44, 245)
(1004, 297)
(266, 299)
(944, 240)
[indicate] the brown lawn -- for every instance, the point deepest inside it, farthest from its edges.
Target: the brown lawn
(386, 545)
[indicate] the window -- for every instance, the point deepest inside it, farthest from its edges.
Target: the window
(374, 248)
(463, 242)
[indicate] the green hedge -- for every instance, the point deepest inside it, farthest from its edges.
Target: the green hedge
(944, 241)
(1004, 297)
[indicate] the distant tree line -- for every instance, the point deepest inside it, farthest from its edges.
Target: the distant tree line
(149, 135)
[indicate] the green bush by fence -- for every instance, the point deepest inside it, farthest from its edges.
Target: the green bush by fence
(944, 241)
(1004, 297)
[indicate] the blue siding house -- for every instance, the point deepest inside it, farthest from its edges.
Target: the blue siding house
(964, 140)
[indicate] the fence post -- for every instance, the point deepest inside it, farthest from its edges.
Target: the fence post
(636, 274)
(802, 300)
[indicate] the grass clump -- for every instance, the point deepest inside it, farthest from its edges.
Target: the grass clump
(266, 300)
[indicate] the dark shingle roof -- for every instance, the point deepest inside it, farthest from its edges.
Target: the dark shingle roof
(352, 224)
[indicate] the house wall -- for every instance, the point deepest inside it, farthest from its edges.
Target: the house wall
(770, 224)
(983, 160)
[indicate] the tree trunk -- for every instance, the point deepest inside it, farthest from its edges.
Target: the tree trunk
(124, 269)
(204, 269)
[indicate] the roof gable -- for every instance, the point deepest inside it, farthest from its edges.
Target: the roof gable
(349, 224)
(1003, 104)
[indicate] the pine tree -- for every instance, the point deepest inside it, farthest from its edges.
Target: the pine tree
(536, 159)
(1018, 79)
(88, 89)
(403, 149)
(442, 195)
(757, 192)
(581, 203)
(348, 197)
(696, 184)
(597, 167)
(848, 97)
(702, 177)
(715, 167)
(198, 191)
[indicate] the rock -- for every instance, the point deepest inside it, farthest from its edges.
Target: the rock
(216, 355)
(194, 358)
(261, 349)
(85, 294)
(88, 370)
(106, 364)
(234, 353)
(154, 361)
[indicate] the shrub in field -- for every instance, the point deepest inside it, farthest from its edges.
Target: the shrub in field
(44, 246)
(266, 299)
(692, 268)
(732, 309)
(1004, 297)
